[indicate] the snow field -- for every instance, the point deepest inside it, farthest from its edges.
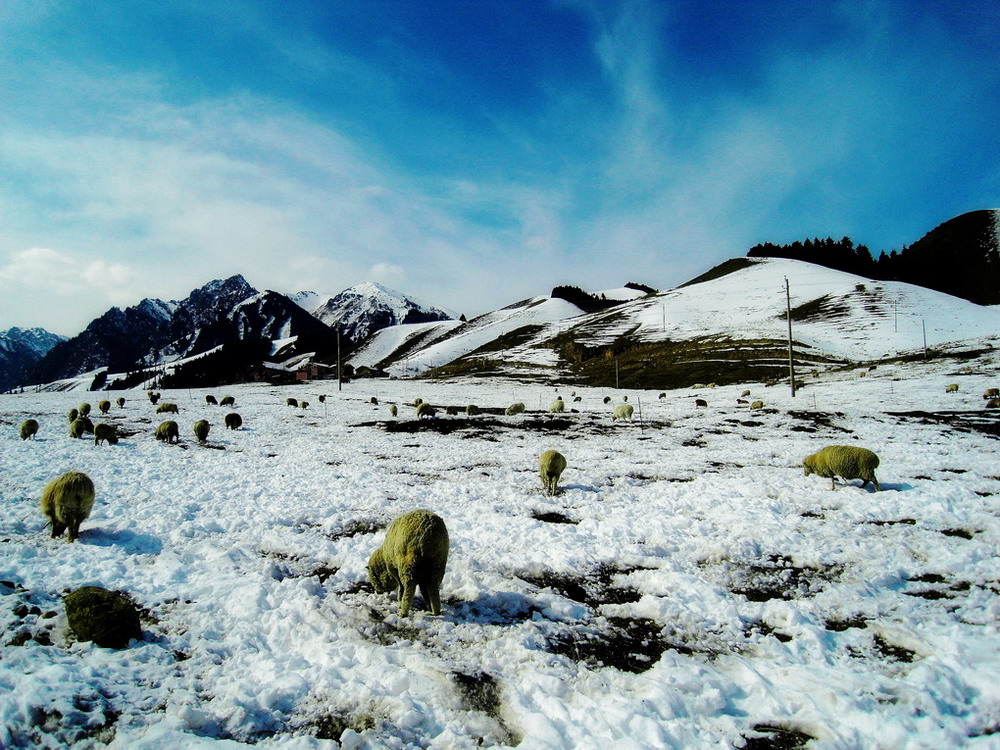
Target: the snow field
(861, 619)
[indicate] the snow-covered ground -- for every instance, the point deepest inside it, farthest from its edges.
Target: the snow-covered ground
(732, 596)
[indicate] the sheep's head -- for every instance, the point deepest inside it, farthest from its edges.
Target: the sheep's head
(381, 577)
(807, 465)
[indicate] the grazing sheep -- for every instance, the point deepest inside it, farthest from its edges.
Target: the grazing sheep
(991, 393)
(993, 403)
(756, 405)
(451, 411)
(417, 401)
(210, 399)
(607, 399)
(557, 406)
(84, 409)
(373, 401)
(847, 461)
(624, 398)
(104, 406)
(167, 408)
(227, 401)
(28, 429)
(952, 388)
(662, 396)
(201, 428)
(577, 399)
(425, 410)
(234, 421)
(322, 399)
(513, 409)
(72, 414)
(291, 402)
(623, 411)
(700, 402)
(67, 501)
(414, 553)
(79, 426)
(153, 397)
(168, 432)
(745, 393)
(121, 402)
(105, 431)
(742, 401)
(393, 410)
(551, 465)
(303, 404)
(472, 410)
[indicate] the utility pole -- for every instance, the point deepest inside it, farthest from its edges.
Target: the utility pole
(616, 372)
(895, 327)
(339, 381)
(791, 361)
(923, 328)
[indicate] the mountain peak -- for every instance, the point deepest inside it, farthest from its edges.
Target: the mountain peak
(360, 310)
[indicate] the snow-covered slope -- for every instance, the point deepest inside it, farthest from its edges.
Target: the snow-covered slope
(543, 312)
(835, 315)
(838, 313)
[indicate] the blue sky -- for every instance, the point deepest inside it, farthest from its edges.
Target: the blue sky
(471, 153)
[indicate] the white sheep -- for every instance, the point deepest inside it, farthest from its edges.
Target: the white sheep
(847, 461)
(28, 429)
(513, 409)
(557, 406)
(67, 501)
(414, 553)
(107, 432)
(425, 410)
(951, 388)
(168, 432)
(200, 429)
(623, 411)
(991, 393)
(551, 465)
(756, 405)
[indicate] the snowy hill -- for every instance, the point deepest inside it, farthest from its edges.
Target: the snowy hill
(727, 325)
(484, 336)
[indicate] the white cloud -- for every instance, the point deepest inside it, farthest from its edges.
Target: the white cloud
(387, 273)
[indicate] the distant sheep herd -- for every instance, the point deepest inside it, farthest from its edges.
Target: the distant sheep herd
(415, 550)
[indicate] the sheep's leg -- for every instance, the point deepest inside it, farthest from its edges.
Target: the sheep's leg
(74, 530)
(875, 482)
(431, 592)
(833, 483)
(57, 528)
(407, 588)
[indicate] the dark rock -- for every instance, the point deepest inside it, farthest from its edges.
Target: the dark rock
(108, 618)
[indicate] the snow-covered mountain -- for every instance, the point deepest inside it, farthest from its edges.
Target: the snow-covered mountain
(225, 311)
(20, 350)
(222, 311)
(727, 325)
(365, 308)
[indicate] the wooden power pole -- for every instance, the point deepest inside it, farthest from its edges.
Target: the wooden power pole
(791, 360)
